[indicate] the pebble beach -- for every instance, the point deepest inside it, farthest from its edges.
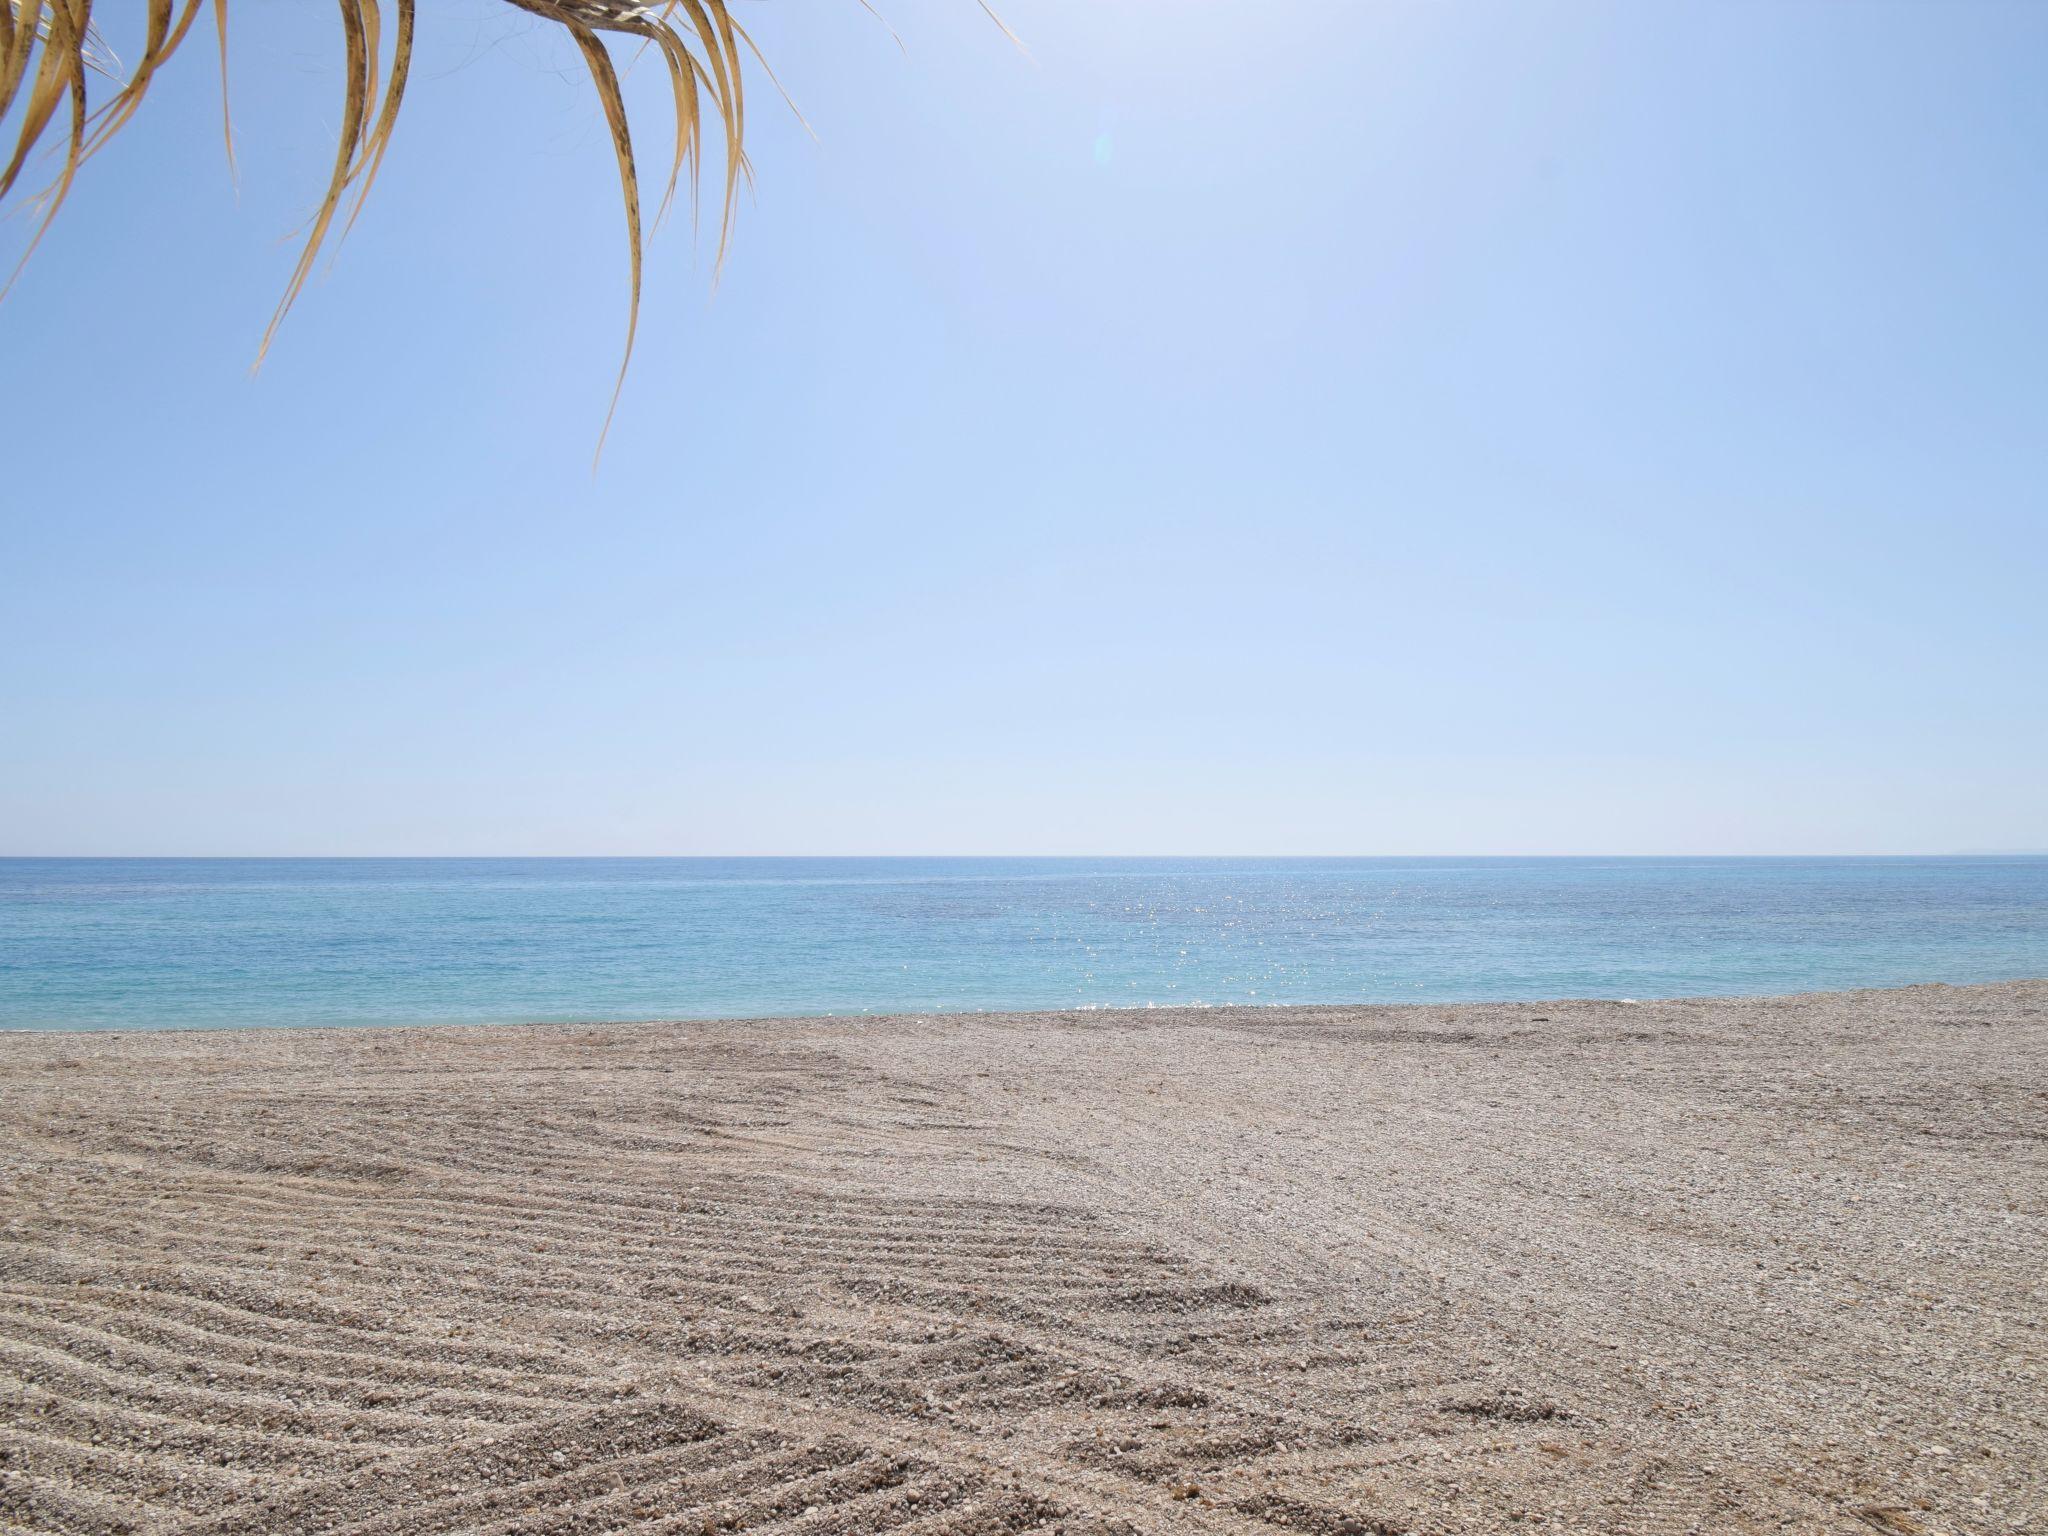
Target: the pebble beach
(1722, 1265)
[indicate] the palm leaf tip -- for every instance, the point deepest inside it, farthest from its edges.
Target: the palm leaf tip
(48, 48)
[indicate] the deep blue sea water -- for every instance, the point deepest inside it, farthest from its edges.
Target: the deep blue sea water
(181, 943)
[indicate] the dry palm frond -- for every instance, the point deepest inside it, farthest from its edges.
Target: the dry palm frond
(47, 48)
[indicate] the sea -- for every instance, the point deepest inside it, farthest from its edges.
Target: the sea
(218, 943)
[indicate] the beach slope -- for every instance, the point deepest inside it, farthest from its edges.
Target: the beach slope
(1722, 1265)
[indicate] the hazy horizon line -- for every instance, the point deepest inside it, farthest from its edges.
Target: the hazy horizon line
(1919, 853)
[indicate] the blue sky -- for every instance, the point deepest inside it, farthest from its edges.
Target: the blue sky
(1304, 426)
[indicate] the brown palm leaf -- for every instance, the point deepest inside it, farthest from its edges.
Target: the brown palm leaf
(47, 48)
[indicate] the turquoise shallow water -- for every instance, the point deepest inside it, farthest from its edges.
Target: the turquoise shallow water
(156, 943)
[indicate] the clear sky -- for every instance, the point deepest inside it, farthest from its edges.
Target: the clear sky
(1289, 426)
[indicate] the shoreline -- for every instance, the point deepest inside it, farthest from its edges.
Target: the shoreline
(937, 1014)
(1744, 1264)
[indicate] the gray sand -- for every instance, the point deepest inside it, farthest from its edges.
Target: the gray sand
(1715, 1266)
